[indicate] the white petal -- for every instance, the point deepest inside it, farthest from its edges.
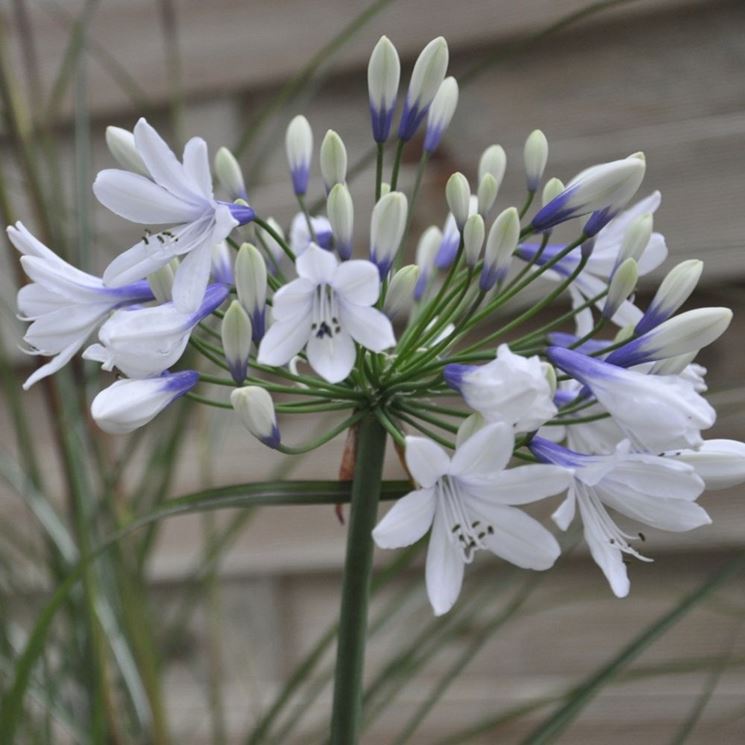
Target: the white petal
(425, 460)
(720, 463)
(357, 282)
(519, 539)
(138, 199)
(407, 521)
(283, 341)
(317, 265)
(565, 512)
(654, 254)
(56, 363)
(332, 357)
(164, 166)
(583, 320)
(197, 165)
(192, 278)
(520, 485)
(444, 570)
(368, 326)
(294, 300)
(608, 557)
(485, 454)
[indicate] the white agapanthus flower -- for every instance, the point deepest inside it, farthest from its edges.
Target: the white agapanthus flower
(650, 489)
(177, 194)
(468, 501)
(325, 311)
(720, 463)
(145, 342)
(511, 389)
(595, 276)
(655, 412)
(64, 304)
(127, 405)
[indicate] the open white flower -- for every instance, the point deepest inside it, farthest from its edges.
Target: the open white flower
(655, 412)
(177, 194)
(467, 501)
(145, 342)
(653, 490)
(511, 389)
(64, 304)
(327, 308)
(127, 405)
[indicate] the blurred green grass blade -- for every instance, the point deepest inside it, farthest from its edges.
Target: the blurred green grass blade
(582, 694)
(297, 83)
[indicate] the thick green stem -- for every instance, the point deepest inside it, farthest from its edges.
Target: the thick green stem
(350, 654)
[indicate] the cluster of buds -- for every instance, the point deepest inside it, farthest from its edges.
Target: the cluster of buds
(320, 319)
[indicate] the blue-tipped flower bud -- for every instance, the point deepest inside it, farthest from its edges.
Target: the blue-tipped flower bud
(340, 211)
(473, 239)
(673, 291)
(551, 190)
(255, 410)
(535, 155)
(426, 251)
(486, 194)
(250, 283)
(636, 238)
(222, 264)
(383, 74)
(387, 227)
(500, 245)
(440, 113)
(493, 161)
(299, 148)
(622, 284)
(229, 174)
(429, 72)
(236, 336)
(333, 160)
(121, 144)
(399, 300)
(458, 195)
(603, 189)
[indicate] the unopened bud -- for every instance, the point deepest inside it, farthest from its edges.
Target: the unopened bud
(473, 239)
(458, 195)
(551, 190)
(487, 194)
(121, 144)
(493, 161)
(440, 113)
(269, 242)
(250, 283)
(550, 372)
(535, 155)
(236, 336)
(500, 245)
(399, 299)
(673, 291)
(426, 251)
(333, 160)
(229, 174)
(383, 74)
(636, 238)
(161, 281)
(387, 227)
(255, 410)
(622, 284)
(340, 211)
(299, 149)
(222, 263)
(429, 72)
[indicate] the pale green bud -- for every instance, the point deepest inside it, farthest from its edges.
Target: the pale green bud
(387, 226)
(250, 284)
(255, 410)
(469, 427)
(622, 284)
(458, 195)
(121, 144)
(428, 73)
(487, 194)
(500, 245)
(161, 281)
(493, 161)
(535, 155)
(229, 174)
(236, 333)
(550, 372)
(340, 212)
(636, 238)
(299, 150)
(333, 160)
(399, 299)
(551, 190)
(383, 75)
(385, 188)
(673, 291)
(473, 239)
(440, 113)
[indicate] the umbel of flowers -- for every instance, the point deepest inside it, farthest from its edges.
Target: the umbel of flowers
(602, 404)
